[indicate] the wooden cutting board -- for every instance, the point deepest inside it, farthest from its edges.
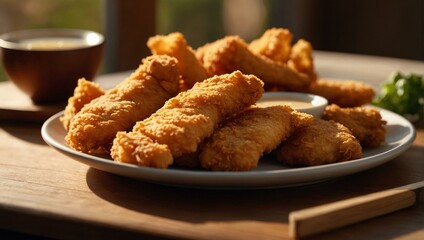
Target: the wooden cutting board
(17, 106)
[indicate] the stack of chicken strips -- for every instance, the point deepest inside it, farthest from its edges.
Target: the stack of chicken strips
(196, 108)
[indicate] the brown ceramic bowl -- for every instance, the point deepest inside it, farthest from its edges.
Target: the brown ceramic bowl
(47, 63)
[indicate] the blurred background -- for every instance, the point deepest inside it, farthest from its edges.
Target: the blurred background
(390, 28)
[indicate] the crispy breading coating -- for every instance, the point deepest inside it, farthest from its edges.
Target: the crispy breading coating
(190, 117)
(175, 45)
(232, 53)
(322, 142)
(137, 97)
(365, 124)
(149, 153)
(345, 93)
(301, 59)
(84, 93)
(275, 44)
(240, 143)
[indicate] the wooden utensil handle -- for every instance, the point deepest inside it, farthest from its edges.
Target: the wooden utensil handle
(334, 215)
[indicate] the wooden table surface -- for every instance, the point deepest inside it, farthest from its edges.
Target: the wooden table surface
(44, 193)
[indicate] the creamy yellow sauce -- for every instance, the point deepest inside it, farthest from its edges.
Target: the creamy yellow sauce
(52, 43)
(296, 104)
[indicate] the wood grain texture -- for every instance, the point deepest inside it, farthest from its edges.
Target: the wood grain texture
(45, 193)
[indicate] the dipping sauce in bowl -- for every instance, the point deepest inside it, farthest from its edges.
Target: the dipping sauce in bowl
(47, 63)
(52, 43)
(303, 102)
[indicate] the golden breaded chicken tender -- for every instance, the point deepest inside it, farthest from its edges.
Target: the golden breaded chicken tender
(84, 93)
(275, 44)
(190, 117)
(322, 142)
(301, 59)
(175, 45)
(146, 90)
(232, 53)
(345, 93)
(240, 143)
(365, 124)
(147, 153)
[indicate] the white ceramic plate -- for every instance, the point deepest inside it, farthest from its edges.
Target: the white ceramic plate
(400, 135)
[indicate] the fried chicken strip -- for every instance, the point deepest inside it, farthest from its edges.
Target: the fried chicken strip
(190, 117)
(275, 44)
(175, 45)
(322, 142)
(365, 124)
(137, 97)
(240, 143)
(301, 59)
(345, 93)
(138, 149)
(232, 53)
(84, 93)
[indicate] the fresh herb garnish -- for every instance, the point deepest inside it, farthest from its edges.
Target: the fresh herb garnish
(403, 94)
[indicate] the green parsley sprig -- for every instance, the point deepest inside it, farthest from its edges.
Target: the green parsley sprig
(403, 94)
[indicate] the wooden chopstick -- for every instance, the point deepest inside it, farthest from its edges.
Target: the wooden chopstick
(330, 216)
